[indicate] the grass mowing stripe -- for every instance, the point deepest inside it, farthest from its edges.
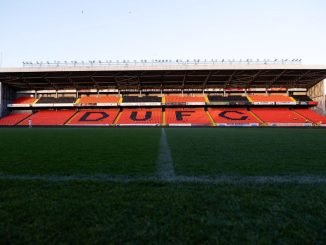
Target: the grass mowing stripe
(64, 151)
(248, 151)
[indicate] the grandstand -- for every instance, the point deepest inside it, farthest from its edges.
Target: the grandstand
(177, 94)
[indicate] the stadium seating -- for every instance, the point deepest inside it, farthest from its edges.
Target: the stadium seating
(175, 99)
(279, 117)
(271, 98)
(312, 116)
(141, 116)
(24, 100)
(13, 118)
(141, 99)
(98, 99)
(52, 100)
(233, 117)
(49, 118)
(188, 116)
(94, 117)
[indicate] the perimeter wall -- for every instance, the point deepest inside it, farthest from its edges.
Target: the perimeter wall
(6, 96)
(318, 93)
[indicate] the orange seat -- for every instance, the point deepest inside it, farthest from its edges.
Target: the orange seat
(49, 118)
(183, 99)
(312, 116)
(98, 99)
(24, 100)
(278, 116)
(13, 118)
(270, 98)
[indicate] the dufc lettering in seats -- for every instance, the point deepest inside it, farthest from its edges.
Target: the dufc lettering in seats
(180, 114)
(134, 114)
(93, 116)
(230, 115)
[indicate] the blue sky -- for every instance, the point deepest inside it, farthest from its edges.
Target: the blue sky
(44, 30)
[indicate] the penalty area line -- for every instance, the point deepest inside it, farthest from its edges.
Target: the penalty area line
(235, 180)
(164, 161)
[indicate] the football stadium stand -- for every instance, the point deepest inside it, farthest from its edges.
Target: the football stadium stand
(13, 118)
(140, 116)
(94, 118)
(49, 118)
(185, 93)
(280, 117)
(187, 117)
(233, 117)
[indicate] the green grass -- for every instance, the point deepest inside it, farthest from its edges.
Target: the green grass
(248, 151)
(87, 212)
(120, 151)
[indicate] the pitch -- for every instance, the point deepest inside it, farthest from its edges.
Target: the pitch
(185, 185)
